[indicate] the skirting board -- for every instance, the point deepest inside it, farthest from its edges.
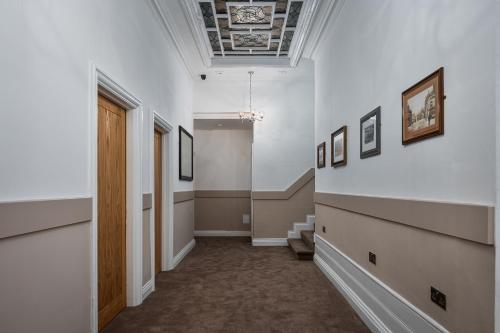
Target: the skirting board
(183, 253)
(380, 307)
(147, 289)
(269, 242)
(221, 233)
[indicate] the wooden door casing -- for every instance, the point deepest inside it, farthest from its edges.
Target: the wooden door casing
(111, 198)
(158, 166)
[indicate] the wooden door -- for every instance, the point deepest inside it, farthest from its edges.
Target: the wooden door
(158, 199)
(111, 210)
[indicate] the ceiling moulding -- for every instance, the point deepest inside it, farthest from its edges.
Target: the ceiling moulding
(195, 21)
(327, 11)
(197, 26)
(221, 115)
(253, 61)
(169, 28)
(302, 30)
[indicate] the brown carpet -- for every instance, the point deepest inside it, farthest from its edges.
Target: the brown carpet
(226, 285)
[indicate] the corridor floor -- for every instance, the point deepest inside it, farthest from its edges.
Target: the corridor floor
(226, 285)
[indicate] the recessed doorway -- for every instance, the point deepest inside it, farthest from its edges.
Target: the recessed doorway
(111, 142)
(158, 188)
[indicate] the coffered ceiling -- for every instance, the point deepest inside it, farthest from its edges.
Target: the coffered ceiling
(250, 28)
(256, 33)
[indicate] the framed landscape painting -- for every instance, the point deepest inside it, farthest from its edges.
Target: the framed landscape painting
(423, 108)
(339, 147)
(320, 155)
(369, 132)
(185, 155)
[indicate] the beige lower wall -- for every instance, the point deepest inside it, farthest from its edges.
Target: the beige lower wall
(45, 281)
(272, 218)
(183, 223)
(411, 260)
(221, 213)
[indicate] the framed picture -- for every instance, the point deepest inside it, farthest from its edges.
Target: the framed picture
(339, 147)
(423, 108)
(320, 155)
(369, 134)
(185, 155)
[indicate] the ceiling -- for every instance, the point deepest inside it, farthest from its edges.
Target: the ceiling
(251, 27)
(221, 34)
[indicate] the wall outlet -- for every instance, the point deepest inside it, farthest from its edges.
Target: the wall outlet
(246, 218)
(324, 229)
(372, 257)
(438, 297)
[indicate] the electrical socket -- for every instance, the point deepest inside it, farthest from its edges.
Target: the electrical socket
(438, 297)
(372, 257)
(246, 218)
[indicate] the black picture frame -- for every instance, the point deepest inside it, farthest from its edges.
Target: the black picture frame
(185, 174)
(335, 162)
(321, 148)
(377, 150)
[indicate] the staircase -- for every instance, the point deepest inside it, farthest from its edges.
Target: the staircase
(301, 239)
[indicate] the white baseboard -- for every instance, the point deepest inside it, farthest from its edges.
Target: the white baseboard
(380, 307)
(147, 289)
(269, 242)
(183, 253)
(221, 233)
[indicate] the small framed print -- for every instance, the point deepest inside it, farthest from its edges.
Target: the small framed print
(369, 132)
(320, 155)
(185, 155)
(339, 147)
(423, 108)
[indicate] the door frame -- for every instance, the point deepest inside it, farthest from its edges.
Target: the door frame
(101, 83)
(167, 237)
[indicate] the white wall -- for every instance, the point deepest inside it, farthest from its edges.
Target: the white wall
(222, 159)
(47, 50)
(376, 50)
(497, 215)
(283, 142)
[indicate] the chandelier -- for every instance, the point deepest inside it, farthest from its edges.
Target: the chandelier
(251, 115)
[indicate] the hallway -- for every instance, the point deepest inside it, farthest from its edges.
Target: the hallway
(226, 285)
(250, 166)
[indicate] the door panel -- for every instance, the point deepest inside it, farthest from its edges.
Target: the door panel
(111, 210)
(158, 199)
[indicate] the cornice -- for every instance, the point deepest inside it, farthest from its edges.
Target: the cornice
(327, 11)
(197, 27)
(303, 29)
(165, 19)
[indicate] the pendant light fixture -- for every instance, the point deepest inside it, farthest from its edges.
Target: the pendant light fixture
(251, 115)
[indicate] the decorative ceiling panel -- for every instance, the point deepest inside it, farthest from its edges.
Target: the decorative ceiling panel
(208, 14)
(251, 27)
(213, 36)
(247, 40)
(250, 16)
(293, 14)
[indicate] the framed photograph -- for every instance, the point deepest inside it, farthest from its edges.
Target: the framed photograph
(423, 108)
(320, 155)
(185, 155)
(369, 134)
(339, 147)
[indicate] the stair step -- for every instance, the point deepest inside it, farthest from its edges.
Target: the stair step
(301, 250)
(311, 219)
(308, 238)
